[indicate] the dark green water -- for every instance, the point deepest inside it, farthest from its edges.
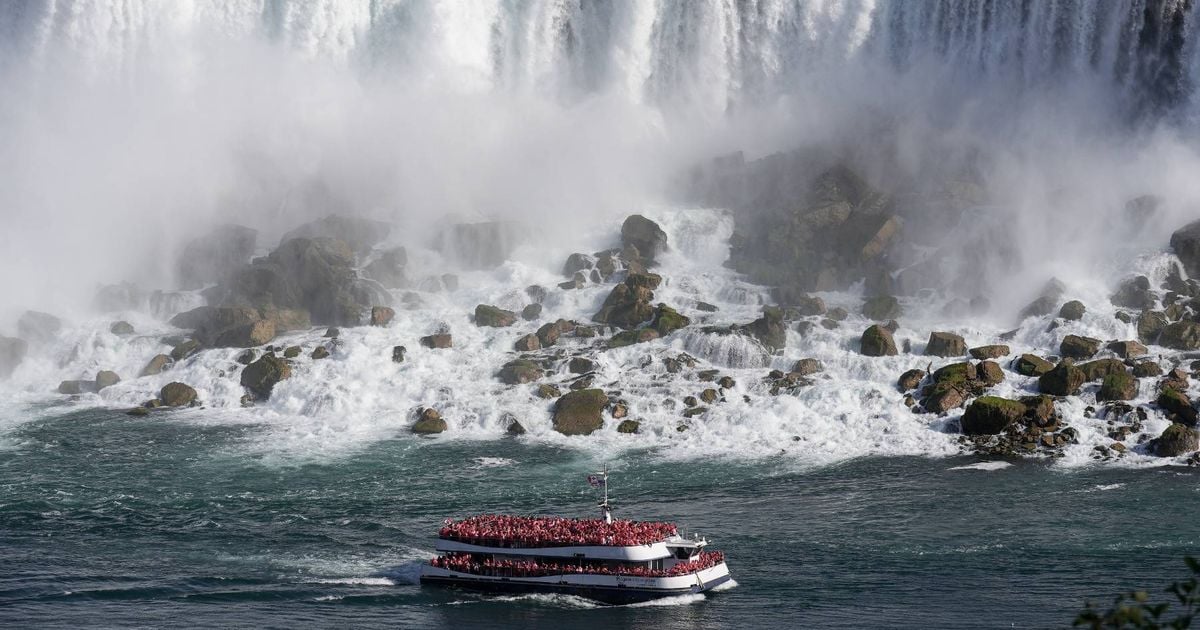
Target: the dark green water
(108, 520)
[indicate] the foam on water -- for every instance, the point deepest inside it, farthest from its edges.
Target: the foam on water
(359, 396)
(984, 466)
(675, 600)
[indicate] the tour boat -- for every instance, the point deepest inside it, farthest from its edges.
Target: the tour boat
(610, 561)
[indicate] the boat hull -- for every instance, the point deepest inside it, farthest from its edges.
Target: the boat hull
(604, 589)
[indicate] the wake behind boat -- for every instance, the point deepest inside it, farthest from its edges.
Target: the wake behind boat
(611, 561)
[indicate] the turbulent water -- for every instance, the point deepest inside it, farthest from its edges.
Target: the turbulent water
(135, 125)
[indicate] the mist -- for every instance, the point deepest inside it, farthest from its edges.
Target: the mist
(130, 128)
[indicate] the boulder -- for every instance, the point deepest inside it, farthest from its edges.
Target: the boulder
(528, 343)
(989, 352)
(12, 352)
(804, 367)
(989, 373)
(358, 233)
(185, 349)
(580, 412)
(1047, 300)
(628, 305)
(1134, 293)
(667, 320)
(1174, 441)
(945, 344)
(1118, 386)
(1186, 243)
(429, 422)
(261, 376)
(1144, 369)
(519, 371)
(631, 337)
(213, 257)
(645, 235)
(514, 427)
(1072, 311)
(581, 365)
(989, 415)
(629, 426)
(804, 304)
(577, 262)
(1177, 406)
(106, 378)
(1064, 380)
(1039, 409)
(1183, 335)
(256, 333)
(1127, 349)
(881, 308)
(548, 334)
(239, 326)
(247, 356)
(177, 395)
(74, 388)
(910, 379)
(318, 353)
(877, 341)
(547, 391)
(769, 329)
(291, 352)
(121, 328)
(531, 312)
(37, 327)
(1031, 365)
(389, 269)
(1077, 347)
(483, 245)
(1149, 325)
(315, 275)
(382, 315)
(438, 341)
(1098, 369)
(156, 365)
(486, 315)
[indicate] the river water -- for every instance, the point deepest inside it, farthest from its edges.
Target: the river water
(109, 520)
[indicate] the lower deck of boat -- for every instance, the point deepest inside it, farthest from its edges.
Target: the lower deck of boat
(615, 595)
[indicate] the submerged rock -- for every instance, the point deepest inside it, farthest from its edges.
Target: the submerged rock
(429, 422)
(531, 312)
(482, 245)
(528, 343)
(177, 395)
(580, 412)
(631, 337)
(318, 353)
(261, 376)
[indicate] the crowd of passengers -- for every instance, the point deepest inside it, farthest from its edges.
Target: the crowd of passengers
(536, 531)
(464, 563)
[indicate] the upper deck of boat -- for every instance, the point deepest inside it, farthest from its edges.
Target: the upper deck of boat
(498, 530)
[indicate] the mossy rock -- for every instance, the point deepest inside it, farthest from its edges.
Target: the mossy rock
(1077, 347)
(546, 391)
(1072, 311)
(291, 352)
(519, 371)
(261, 376)
(631, 337)
(877, 341)
(177, 395)
(989, 373)
(1177, 406)
(1100, 368)
(1182, 335)
(1150, 325)
(989, 415)
(1118, 386)
(580, 412)
(491, 316)
(945, 344)
(1064, 380)
(994, 351)
(629, 426)
(1031, 365)
(1176, 440)
(429, 422)
(667, 320)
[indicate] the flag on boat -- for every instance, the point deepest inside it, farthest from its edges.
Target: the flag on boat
(596, 481)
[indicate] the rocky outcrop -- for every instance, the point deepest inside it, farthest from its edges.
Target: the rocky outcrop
(389, 269)
(989, 373)
(1186, 243)
(1049, 298)
(950, 387)
(238, 326)
(484, 245)
(989, 415)
(1134, 293)
(945, 344)
(359, 233)
(1174, 441)
(12, 353)
(491, 316)
(261, 376)
(989, 352)
(1183, 335)
(177, 395)
(645, 235)
(628, 305)
(37, 327)
(429, 422)
(1064, 380)
(910, 379)
(1149, 325)
(519, 371)
(213, 257)
(667, 320)
(770, 329)
(580, 412)
(156, 365)
(382, 315)
(1077, 347)
(877, 341)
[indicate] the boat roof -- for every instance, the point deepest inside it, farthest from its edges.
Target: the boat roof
(542, 531)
